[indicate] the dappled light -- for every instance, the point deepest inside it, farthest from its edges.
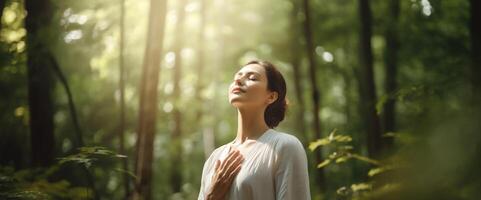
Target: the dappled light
(128, 99)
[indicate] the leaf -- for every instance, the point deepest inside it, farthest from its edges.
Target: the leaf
(361, 186)
(324, 163)
(317, 143)
(343, 191)
(375, 171)
(333, 155)
(366, 159)
(331, 135)
(343, 138)
(342, 159)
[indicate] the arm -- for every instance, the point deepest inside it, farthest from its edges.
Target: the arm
(291, 177)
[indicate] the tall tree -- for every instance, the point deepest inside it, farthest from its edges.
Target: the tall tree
(40, 83)
(207, 134)
(148, 100)
(391, 65)
(295, 59)
(366, 82)
(78, 140)
(3, 3)
(176, 173)
(316, 94)
(475, 32)
(122, 97)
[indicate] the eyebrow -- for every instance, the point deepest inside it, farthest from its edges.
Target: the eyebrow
(251, 72)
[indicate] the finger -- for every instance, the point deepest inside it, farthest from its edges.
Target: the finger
(233, 174)
(228, 158)
(232, 164)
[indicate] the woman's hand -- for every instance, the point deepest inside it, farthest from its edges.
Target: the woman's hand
(224, 174)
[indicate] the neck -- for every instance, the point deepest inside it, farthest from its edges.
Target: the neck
(250, 124)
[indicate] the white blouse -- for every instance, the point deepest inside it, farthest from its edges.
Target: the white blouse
(274, 167)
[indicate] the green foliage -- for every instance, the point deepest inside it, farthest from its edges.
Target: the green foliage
(39, 183)
(87, 155)
(30, 184)
(340, 151)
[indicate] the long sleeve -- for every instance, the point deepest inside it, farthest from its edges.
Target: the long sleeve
(202, 184)
(205, 172)
(291, 175)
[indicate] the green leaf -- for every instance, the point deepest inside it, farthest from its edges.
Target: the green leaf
(342, 159)
(343, 138)
(324, 163)
(317, 143)
(361, 186)
(375, 171)
(365, 159)
(331, 135)
(378, 170)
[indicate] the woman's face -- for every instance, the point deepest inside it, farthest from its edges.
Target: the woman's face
(249, 88)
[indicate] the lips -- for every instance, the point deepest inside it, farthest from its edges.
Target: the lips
(237, 89)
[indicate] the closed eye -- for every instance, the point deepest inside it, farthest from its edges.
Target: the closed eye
(252, 75)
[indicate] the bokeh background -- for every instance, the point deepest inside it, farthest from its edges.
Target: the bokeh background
(125, 99)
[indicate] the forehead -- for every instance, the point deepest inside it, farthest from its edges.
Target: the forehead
(253, 68)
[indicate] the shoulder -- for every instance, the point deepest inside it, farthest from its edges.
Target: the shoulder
(216, 153)
(286, 142)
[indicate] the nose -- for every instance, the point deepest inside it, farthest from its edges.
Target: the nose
(238, 81)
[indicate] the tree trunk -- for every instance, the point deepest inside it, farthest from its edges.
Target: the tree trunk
(125, 164)
(148, 100)
(475, 32)
(3, 3)
(295, 58)
(315, 91)
(78, 140)
(207, 133)
(366, 84)
(391, 60)
(40, 84)
(176, 164)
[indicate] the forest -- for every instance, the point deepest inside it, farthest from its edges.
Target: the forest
(126, 99)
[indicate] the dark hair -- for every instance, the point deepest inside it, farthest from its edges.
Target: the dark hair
(275, 111)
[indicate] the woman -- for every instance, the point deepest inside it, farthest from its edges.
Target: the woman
(260, 163)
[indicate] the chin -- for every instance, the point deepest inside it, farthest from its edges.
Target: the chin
(236, 103)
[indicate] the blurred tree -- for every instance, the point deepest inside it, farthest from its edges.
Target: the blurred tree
(125, 164)
(207, 135)
(295, 58)
(367, 88)
(2, 6)
(316, 96)
(475, 31)
(40, 82)
(391, 65)
(176, 173)
(148, 100)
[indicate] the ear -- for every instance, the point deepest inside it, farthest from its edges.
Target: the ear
(272, 97)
